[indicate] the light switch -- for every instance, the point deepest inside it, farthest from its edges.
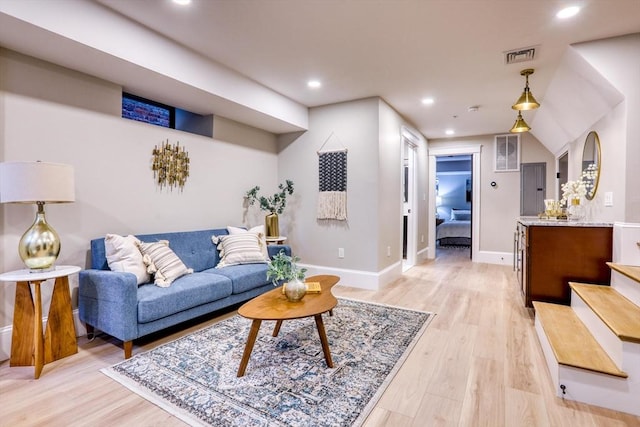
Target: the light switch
(608, 198)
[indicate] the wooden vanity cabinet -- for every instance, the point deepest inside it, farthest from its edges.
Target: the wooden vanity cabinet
(554, 255)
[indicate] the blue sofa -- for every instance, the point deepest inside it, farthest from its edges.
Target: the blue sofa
(112, 301)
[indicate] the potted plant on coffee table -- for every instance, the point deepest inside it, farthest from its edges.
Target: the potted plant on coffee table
(274, 205)
(284, 268)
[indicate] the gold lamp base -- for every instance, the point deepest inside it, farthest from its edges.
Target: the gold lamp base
(39, 246)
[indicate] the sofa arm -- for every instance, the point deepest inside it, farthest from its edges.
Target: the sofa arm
(275, 249)
(108, 301)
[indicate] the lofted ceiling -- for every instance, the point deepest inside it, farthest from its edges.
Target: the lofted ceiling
(400, 50)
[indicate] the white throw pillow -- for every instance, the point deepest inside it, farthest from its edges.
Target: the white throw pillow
(162, 262)
(259, 231)
(239, 249)
(123, 255)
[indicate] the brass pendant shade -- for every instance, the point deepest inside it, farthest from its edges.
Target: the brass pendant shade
(526, 101)
(520, 125)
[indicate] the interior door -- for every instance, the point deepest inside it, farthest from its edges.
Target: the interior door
(533, 188)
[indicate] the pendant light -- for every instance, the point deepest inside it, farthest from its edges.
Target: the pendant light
(526, 100)
(520, 125)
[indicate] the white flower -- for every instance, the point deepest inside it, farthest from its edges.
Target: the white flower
(573, 190)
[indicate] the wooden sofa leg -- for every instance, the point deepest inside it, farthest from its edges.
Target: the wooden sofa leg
(128, 348)
(91, 332)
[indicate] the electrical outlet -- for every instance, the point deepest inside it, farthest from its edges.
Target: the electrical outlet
(340, 252)
(388, 250)
(422, 238)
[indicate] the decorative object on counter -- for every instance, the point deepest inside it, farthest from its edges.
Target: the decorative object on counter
(591, 160)
(170, 165)
(552, 210)
(332, 183)
(37, 183)
(572, 194)
(274, 205)
(285, 268)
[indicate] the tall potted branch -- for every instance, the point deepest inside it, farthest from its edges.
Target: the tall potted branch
(274, 205)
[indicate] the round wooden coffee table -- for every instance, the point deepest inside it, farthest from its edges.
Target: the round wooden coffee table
(274, 305)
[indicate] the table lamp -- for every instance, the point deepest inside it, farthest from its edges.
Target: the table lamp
(39, 183)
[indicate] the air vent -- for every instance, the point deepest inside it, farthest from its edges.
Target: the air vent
(520, 55)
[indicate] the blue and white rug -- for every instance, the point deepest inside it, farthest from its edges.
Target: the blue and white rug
(287, 382)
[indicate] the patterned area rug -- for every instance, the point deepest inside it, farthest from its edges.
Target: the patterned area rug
(287, 382)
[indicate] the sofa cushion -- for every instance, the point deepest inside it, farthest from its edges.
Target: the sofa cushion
(186, 292)
(243, 277)
(124, 255)
(162, 262)
(258, 231)
(239, 249)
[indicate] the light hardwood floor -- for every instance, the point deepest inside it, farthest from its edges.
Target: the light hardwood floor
(478, 364)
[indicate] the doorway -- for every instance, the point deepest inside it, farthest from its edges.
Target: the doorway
(474, 152)
(409, 186)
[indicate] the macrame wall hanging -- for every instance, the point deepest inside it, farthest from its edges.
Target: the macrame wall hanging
(332, 180)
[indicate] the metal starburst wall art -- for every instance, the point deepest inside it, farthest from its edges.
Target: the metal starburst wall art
(170, 165)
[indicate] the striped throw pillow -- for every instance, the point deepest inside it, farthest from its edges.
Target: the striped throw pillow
(239, 249)
(162, 262)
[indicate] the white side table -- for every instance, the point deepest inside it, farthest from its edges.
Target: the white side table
(278, 240)
(28, 346)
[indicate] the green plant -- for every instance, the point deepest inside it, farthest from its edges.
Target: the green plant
(284, 268)
(275, 203)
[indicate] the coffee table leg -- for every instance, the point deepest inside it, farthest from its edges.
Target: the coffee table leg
(251, 340)
(323, 340)
(276, 329)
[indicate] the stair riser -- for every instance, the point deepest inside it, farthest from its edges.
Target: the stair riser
(601, 332)
(628, 287)
(625, 248)
(620, 394)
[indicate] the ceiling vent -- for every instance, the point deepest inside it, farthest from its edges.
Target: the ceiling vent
(520, 55)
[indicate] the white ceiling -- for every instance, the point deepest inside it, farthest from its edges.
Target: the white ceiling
(400, 50)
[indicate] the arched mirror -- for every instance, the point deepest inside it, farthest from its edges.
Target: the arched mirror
(591, 160)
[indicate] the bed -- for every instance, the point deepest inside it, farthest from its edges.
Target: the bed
(455, 230)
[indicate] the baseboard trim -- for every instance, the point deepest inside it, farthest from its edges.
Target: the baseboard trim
(7, 331)
(358, 278)
(489, 257)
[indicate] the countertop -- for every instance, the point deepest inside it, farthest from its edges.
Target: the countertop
(534, 220)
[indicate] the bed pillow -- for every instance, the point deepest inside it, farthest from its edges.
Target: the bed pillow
(162, 262)
(460, 215)
(124, 255)
(259, 231)
(237, 249)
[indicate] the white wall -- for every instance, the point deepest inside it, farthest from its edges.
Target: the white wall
(115, 189)
(371, 131)
(618, 60)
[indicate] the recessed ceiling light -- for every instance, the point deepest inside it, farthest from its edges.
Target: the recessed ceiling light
(428, 101)
(314, 84)
(182, 2)
(568, 12)
(449, 132)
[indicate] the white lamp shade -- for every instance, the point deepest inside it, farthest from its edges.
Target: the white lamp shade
(30, 182)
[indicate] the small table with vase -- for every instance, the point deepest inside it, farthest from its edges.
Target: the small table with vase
(29, 347)
(273, 305)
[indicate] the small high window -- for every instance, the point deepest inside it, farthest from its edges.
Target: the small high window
(145, 110)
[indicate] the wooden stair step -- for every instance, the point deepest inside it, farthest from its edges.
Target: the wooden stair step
(631, 271)
(617, 312)
(571, 341)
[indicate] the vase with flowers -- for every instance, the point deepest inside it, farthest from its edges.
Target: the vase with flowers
(284, 268)
(572, 194)
(274, 205)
